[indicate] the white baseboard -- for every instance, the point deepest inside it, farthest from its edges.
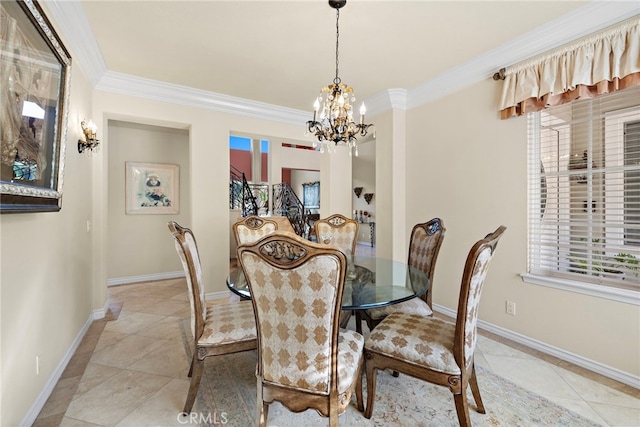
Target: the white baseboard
(599, 368)
(217, 295)
(46, 391)
(144, 278)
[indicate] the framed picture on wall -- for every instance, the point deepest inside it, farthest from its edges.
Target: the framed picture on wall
(35, 76)
(152, 188)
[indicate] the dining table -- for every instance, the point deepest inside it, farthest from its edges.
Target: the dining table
(370, 282)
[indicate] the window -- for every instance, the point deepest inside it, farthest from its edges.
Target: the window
(584, 194)
(311, 195)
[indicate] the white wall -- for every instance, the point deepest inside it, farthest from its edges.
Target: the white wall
(45, 276)
(141, 245)
(470, 169)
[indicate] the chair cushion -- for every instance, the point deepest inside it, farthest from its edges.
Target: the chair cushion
(413, 306)
(228, 323)
(424, 341)
(350, 344)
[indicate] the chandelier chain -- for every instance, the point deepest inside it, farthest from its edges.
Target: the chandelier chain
(337, 79)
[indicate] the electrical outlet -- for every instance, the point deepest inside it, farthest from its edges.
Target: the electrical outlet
(37, 365)
(511, 308)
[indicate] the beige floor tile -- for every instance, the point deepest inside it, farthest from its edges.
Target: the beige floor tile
(532, 374)
(115, 398)
(70, 422)
(130, 323)
(95, 375)
(167, 328)
(581, 407)
(60, 397)
(494, 348)
(593, 392)
(126, 351)
(618, 416)
(161, 409)
(165, 307)
(48, 421)
(168, 359)
(134, 303)
(109, 338)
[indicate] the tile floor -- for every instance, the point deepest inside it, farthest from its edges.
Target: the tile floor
(131, 368)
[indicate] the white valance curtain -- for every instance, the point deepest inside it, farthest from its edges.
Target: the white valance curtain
(603, 63)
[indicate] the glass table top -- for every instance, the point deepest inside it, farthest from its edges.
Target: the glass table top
(371, 282)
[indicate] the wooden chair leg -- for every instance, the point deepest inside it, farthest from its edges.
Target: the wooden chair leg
(359, 398)
(261, 407)
(475, 390)
(462, 408)
(345, 315)
(358, 322)
(193, 360)
(333, 414)
(197, 367)
(372, 376)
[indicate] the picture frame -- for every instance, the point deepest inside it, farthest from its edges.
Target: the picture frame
(152, 188)
(35, 74)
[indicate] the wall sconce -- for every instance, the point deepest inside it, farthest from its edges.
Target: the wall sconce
(368, 197)
(90, 142)
(358, 191)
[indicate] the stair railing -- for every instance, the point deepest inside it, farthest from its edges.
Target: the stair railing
(240, 195)
(286, 203)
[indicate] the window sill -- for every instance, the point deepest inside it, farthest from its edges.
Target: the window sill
(598, 291)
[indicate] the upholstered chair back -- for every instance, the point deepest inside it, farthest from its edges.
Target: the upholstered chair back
(338, 230)
(296, 290)
(252, 228)
(187, 248)
(424, 247)
(475, 270)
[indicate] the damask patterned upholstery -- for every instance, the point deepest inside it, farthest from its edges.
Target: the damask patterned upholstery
(252, 228)
(338, 230)
(217, 329)
(424, 247)
(432, 349)
(304, 359)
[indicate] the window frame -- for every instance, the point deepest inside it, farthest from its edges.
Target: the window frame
(565, 278)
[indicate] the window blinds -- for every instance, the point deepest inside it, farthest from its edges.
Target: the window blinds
(584, 190)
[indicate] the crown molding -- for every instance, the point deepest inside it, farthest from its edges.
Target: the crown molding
(590, 18)
(126, 84)
(78, 36)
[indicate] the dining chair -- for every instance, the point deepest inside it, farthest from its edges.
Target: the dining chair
(217, 328)
(253, 227)
(432, 349)
(424, 247)
(338, 230)
(305, 361)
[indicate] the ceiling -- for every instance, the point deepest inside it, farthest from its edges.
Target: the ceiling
(283, 52)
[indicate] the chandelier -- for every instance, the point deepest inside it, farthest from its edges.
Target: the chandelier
(333, 122)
